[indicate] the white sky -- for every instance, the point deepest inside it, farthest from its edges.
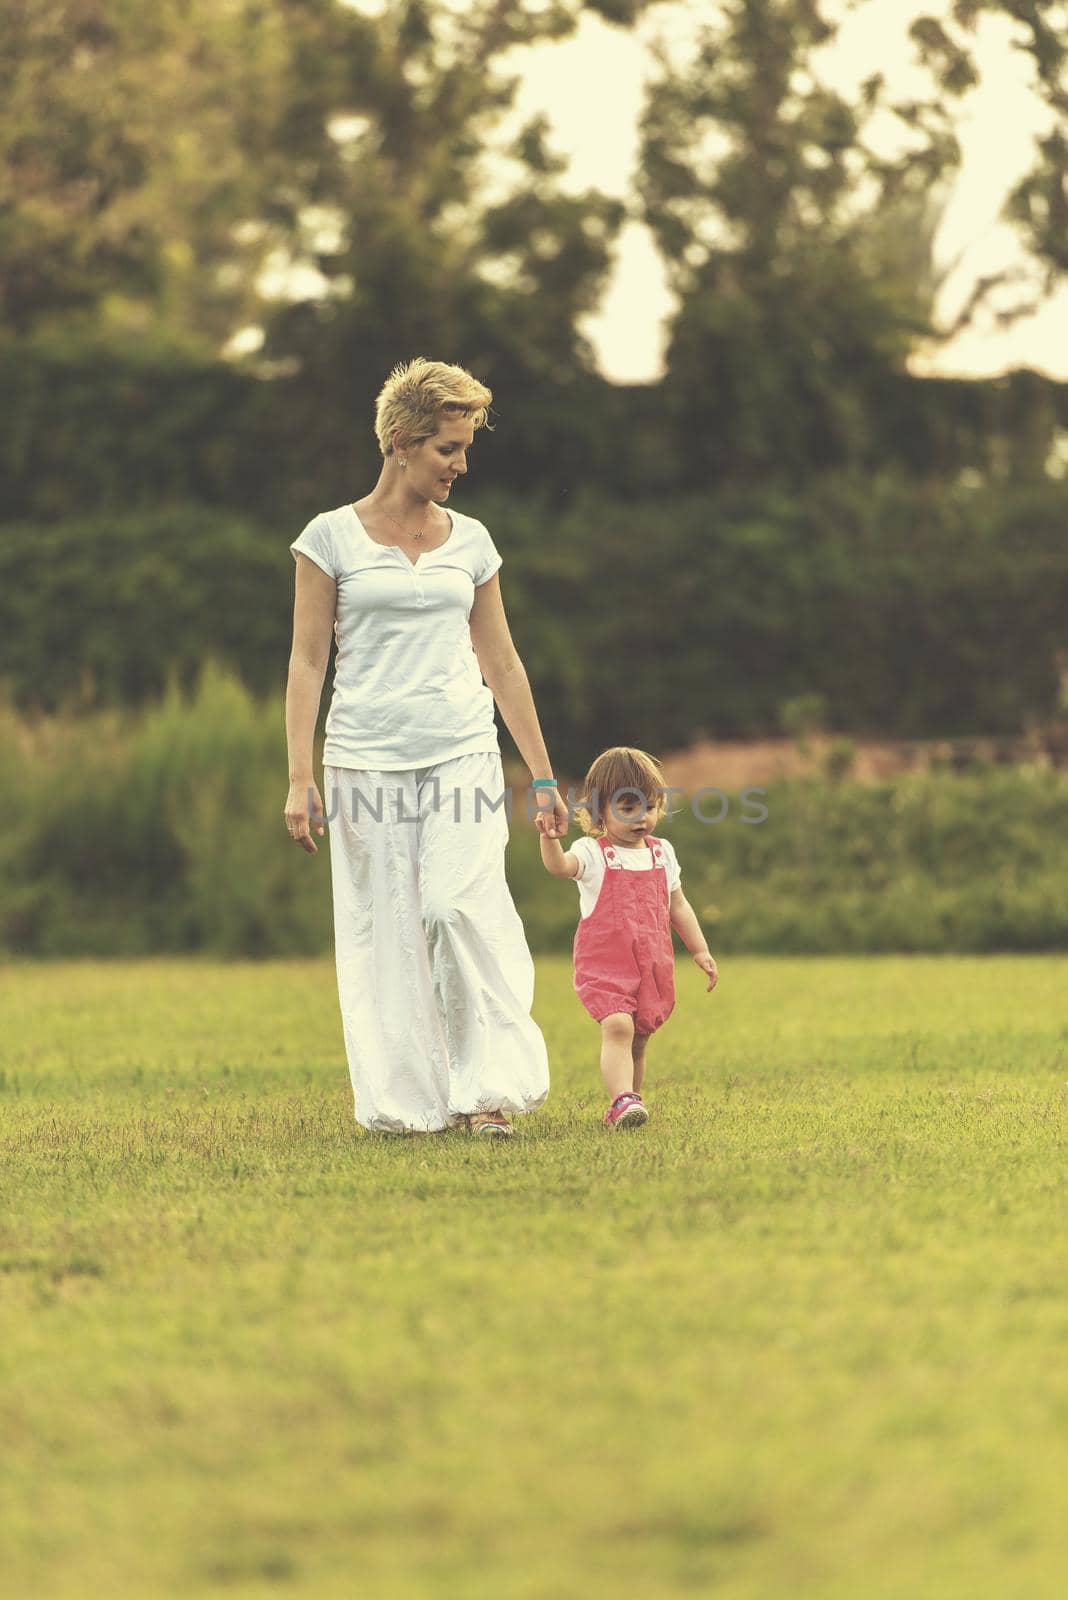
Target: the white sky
(591, 88)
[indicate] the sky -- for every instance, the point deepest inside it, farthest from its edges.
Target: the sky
(590, 86)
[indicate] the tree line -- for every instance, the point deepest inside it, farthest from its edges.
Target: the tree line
(818, 520)
(899, 608)
(162, 162)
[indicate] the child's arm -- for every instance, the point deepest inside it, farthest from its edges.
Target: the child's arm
(686, 925)
(559, 863)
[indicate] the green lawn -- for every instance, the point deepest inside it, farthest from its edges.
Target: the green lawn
(804, 1335)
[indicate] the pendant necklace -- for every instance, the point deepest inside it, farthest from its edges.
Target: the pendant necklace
(400, 525)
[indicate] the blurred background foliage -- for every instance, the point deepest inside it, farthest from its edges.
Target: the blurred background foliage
(139, 832)
(908, 611)
(222, 225)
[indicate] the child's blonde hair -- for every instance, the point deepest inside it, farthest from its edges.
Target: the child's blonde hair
(615, 772)
(419, 395)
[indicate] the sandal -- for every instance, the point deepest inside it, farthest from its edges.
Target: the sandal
(490, 1124)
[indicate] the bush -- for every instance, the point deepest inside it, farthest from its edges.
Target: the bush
(103, 612)
(162, 830)
(894, 611)
(157, 831)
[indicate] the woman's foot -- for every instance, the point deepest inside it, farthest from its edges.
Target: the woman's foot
(490, 1125)
(626, 1111)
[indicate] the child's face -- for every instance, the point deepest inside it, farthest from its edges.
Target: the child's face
(628, 818)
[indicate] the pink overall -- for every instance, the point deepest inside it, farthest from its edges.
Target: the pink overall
(624, 958)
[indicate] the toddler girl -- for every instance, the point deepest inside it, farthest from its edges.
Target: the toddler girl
(629, 900)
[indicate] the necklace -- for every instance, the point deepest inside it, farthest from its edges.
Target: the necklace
(398, 524)
(401, 526)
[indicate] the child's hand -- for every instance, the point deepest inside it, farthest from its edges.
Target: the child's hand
(552, 819)
(707, 964)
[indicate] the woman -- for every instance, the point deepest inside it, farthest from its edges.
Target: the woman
(434, 975)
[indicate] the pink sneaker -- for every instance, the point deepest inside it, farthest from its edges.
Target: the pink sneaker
(626, 1111)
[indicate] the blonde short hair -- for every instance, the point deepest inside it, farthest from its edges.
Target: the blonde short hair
(418, 395)
(615, 772)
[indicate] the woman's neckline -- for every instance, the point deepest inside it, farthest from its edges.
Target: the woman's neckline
(380, 545)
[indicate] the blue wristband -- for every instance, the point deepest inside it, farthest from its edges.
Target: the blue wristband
(544, 783)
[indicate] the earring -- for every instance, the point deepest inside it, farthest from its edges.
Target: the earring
(404, 463)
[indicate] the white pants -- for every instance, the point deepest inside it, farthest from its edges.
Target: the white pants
(434, 975)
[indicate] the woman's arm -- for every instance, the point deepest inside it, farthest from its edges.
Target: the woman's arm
(314, 608)
(506, 676)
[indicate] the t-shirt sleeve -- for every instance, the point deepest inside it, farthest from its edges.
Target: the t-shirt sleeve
(488, 558)
(316, 541)
(674, 873)
(580, 850)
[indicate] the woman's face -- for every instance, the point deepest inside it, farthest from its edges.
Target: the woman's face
(434, 464)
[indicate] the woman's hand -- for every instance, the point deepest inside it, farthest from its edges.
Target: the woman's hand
(552, 818)
(304, 811)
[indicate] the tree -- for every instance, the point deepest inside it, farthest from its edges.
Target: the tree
(156, 160)
(191, 169)
(424, 255)
(136, 141)
(1038, 203)
(801, 256)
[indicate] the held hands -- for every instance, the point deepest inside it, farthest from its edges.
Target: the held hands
(552, 818)
(703, 960)
(304, 811)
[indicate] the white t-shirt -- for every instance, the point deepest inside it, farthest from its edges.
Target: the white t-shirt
(592, 867)
(408, 691)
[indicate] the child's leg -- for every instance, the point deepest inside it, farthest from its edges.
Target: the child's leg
(617, 1063)
(637, 1051)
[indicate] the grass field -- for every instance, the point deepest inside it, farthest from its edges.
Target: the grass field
(804, 1335)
